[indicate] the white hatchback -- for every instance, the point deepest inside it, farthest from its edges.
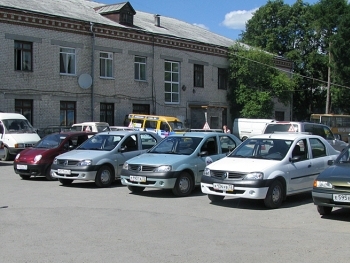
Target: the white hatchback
(268, 167)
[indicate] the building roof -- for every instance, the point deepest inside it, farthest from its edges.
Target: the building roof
(89, 11)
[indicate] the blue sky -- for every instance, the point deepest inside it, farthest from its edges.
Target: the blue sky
(224, 17)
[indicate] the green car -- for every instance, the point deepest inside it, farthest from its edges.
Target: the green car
(332, 187)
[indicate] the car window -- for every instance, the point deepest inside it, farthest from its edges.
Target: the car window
(328, 133)
(344, 157)
(318, 149)
(300, 151)
(227, 144)
(104, 142)
(177, 145)
(147, 141)
(210, 146)
(130, 143)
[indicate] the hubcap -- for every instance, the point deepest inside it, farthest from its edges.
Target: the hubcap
(105, 175)
(276, 193)
(184, 185)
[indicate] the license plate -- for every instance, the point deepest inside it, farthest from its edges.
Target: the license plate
(223, 187)
(341, 198)
(22, 167)
(63, 171)
(139, 179)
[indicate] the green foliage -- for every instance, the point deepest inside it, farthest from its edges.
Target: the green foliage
(255, 82)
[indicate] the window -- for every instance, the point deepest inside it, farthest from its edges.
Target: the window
(172, 79)
(25, 107)
(67, 61)
(222, 78)
(107, 113)
(140, 68)
(67, 113)
(23, 56)
(126, 18)
(318, 148)
(106, 65)
(198, 76)
(279, 115)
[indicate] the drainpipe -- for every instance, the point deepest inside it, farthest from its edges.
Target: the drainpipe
(92, 68)
(153, 84)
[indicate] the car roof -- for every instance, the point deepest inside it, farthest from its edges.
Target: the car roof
(123, 133)
(285, 136)
(71, 133)
(196, 134)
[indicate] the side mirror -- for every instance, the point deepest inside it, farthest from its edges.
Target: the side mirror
(330, 162)
(337, 136)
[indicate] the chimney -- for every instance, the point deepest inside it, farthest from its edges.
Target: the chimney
(157, 20)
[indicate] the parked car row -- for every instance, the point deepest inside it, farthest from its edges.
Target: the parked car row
(269, 167)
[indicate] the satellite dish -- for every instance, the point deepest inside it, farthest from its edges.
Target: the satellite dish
(85, 81)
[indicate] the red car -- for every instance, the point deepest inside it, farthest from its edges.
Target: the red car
(36, 161)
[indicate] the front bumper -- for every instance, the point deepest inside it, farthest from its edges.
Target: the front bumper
(31, 169)
(164, 180)
(85, 173)
(326, 199)
(253, 189)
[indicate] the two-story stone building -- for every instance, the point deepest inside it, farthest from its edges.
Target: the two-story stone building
(71, 61)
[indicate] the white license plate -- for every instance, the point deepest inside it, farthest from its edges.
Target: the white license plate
(22, 167)
(140, 179)
(341, 198)
(63, 171)
(223, 187)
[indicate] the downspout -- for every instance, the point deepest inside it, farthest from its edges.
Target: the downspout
(153, 87)
(92, 68)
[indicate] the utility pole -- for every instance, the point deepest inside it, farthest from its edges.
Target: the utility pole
(329, 80)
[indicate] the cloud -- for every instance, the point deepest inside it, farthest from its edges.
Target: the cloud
(237, 19)
(201, 25)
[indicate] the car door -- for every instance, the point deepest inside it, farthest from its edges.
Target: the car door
(301, 171)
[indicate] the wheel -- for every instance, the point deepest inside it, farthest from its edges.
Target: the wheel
(65, 181)
(324, 210)
(216, 198)
(274, 196)
(183, 185)
(104, 176)
(135, 189)
(48, 174)
(7, 156)
(25, 177)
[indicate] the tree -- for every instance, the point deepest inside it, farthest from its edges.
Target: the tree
(255, 82)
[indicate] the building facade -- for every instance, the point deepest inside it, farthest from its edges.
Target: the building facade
(72, 61)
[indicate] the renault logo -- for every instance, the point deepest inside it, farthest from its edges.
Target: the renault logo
(225, 175)
(139, 169)
(66, 162)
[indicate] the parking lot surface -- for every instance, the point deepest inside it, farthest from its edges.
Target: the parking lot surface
(42, 221)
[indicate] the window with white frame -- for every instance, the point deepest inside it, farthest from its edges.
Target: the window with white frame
(172, 82)
(106, 65)
(67, 61)
(140, 68)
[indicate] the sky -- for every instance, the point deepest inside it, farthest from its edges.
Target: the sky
(223, 17)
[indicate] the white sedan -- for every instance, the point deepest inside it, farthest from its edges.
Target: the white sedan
(269, 167)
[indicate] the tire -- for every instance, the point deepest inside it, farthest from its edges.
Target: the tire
(48, 174)
(65, 181)
(275, 195)
(324, 210)
(184, 185)
(7, 156)
(25, 177)
(104, 176)
(135, 189)
(216, 198)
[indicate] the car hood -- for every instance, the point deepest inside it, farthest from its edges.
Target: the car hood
(157, 159)
(28, 138)
(242, 164)
(30, 153)
(336, 172)
(82, 154)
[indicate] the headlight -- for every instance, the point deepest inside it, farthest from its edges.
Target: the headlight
(17, 156)
(37, 158)
(254, 176)
(126, 166)
(84, 163)
(206, 172)
(163, 168)
(19, 145)
(322, 184)
(54, 161)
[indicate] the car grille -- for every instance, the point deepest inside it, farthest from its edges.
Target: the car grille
(67, 162)
(27, 145)
(141, 168)
(228, 175)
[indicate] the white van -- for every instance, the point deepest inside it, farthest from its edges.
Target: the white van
(16, 133)
(244, 128)
(91, 126)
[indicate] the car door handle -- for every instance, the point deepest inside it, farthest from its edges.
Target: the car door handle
(309, 166)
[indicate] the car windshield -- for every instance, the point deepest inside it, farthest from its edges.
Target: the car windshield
(18, 126)
(344, 156)
(271, 149)
(101, 142)
(50, 141)
(176, 125)
(177, 145)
